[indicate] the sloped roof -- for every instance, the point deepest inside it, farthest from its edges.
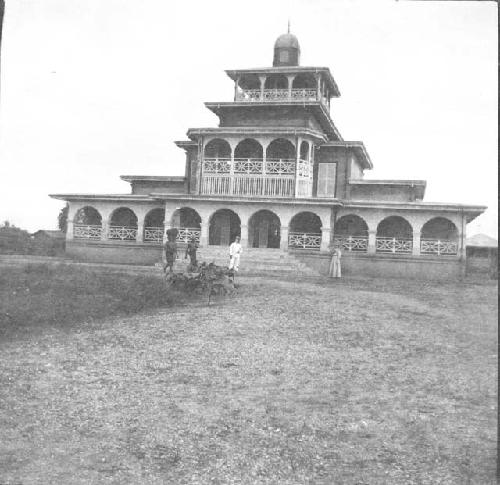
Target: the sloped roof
(481, 241)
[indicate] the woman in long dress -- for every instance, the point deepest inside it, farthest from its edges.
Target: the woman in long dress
(335, 269)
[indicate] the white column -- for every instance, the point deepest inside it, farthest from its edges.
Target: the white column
(105, 229)
(290, 84)
(284, 237)
(262, 80)
(326, 233)
(69, 230)
(318, 87)
(236, 85)
(231, 171)
(372, 235)
(297, 157)
(244, 235)
(416, 242)
(140, 231)
(204, 232)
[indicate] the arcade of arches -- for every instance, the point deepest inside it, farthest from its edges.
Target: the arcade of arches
(265, 229)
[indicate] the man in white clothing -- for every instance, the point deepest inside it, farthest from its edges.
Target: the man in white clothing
(234, 254)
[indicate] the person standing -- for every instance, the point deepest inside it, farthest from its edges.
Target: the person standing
(335, 269)
(235, 251)
(191, 252)
(170, 249)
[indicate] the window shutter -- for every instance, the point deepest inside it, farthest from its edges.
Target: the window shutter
(326, 179)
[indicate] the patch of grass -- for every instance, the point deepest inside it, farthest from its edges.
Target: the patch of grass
(287, 382)
(39, 294)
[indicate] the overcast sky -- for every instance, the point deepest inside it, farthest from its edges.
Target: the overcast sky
(94, 89)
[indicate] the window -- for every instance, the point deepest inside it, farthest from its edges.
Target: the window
(283, 56)
(327, 175)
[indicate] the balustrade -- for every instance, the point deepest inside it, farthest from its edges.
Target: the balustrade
(256, 95)
(249, 177)
(185, 234)
(304, 240)
(393, 245)
(82, 231)
(357, 244)
(153, 234)
(438, 247)
(122, 233)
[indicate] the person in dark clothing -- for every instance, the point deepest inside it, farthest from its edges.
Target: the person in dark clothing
(191, 249)
(170, 249)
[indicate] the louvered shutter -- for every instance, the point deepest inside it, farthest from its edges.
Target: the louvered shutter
(326, 179)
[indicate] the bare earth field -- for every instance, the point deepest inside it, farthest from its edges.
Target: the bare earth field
(361, 381)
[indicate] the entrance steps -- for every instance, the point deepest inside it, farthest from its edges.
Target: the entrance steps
(254, 261)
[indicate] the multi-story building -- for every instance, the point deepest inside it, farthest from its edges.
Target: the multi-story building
(277, 172)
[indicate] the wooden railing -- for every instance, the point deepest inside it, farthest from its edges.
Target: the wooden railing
(393, 245)
(122, 233)
(296, 94)
(82, 231)
(438, 247)
(358, 244)
(304, 240)
(252, 177)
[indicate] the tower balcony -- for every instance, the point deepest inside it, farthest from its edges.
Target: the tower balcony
(277, 95)
(256, 177)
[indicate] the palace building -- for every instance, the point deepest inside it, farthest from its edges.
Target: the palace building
(277, 172)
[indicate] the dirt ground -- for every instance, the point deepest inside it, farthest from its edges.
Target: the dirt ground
(290, 382)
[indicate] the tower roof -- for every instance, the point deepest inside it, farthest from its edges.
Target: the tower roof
(287, 40)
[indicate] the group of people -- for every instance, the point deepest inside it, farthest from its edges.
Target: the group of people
(235, 250)
(170, 252)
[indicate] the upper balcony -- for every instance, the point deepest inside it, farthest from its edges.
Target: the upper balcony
(284, 85)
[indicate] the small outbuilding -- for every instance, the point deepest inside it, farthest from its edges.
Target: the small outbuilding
(482, 255)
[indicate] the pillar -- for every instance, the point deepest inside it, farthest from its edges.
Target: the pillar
(416, 243)
(290, 85)
(69, 229)
(204, 232)
(326, 233)
(372, 247)
(297, 158)
(140, 231)
(262, 80)
(236, 86)
(105, 229)
(284, 237)
(318, 87)
(244, 235)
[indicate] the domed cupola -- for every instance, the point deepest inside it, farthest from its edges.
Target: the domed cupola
(286, 50)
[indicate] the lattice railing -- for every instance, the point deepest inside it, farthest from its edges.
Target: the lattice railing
(187, 233)
(216, 165)
(357, 244)
(297, 94)
(82, 231)
(248, 165)
(280, 166)
(304, 240)
(393, 245)
(153, 234)
(439, 247)
(123, 233)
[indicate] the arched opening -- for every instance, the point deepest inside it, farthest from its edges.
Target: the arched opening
(225, 225)
(87, 224)
(153, 225)
(248, 148)
(439, 228)
(304, 81)
(188, 223)
(351, 234)
(439, 236)
(249, 81)
(123, 225)
(276, 81)
(394, 235)
(264, 230)
(217, 148)
(88, 216)
(351, 225)
(304, 151)
(305, 231)
(280, 149)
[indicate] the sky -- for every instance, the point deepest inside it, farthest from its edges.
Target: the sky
(91, 90)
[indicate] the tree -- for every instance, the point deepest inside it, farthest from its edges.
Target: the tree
(62, 218)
